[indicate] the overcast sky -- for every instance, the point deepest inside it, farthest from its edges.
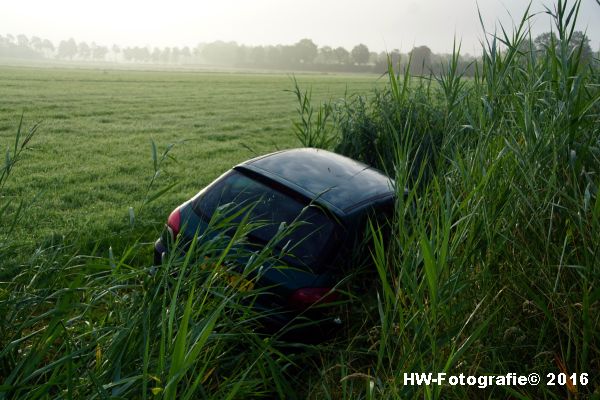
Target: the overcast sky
(380, 24)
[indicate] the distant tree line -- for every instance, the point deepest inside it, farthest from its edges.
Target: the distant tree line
(303, 55)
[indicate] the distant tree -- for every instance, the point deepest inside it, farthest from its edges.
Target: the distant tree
(544, 41)
(373, 57)
(186, 54)
(67, 49)
(18, 49)
(548, 40)
(136, 54)
(219, 52)
(115, 53)
(257, 55)
(127, 53)
(47, 47)
(420, 60)
(36, 44)
(396, 57)
(98, 52)
(306, 51)
(142, 54)
(342, 55)
(155, 55)
(289, 56)
(165, 56)
(274, 55)
(175, 55)
(360, 54)
(83, 50)
(326, 55)
(381, 60)
(580, 39)
(22, 41)
(197, 52)
(241, 55)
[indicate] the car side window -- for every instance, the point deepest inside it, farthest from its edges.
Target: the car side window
(233, 188)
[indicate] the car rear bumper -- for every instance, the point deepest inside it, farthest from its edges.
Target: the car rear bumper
(310, 327)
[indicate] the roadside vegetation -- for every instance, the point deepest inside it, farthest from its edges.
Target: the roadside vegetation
(491, 266)
(493, 261)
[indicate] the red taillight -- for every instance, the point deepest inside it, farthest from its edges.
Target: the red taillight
(306, 297)
(174, 223)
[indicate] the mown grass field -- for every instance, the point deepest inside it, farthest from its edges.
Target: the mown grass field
(91, 159)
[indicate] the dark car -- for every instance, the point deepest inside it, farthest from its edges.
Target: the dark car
(330, 194)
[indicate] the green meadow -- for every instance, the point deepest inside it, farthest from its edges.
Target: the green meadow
(92, 158)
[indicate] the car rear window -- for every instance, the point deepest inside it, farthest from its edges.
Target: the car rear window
(271, 207)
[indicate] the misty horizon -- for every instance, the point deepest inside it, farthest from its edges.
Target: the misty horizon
(14, 38)
(383, 25)
(303, 55)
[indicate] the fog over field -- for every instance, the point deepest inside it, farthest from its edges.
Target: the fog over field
(380, 24)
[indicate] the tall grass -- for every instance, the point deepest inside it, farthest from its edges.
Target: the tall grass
(11, 213)
(492, 266)
(80, 326)
(312, 131)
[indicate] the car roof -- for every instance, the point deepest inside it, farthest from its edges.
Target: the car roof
(330, 178)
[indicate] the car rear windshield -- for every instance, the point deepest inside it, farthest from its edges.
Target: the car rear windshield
(270, 208)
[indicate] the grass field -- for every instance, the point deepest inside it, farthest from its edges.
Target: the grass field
(92, 159)
(491, 267)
